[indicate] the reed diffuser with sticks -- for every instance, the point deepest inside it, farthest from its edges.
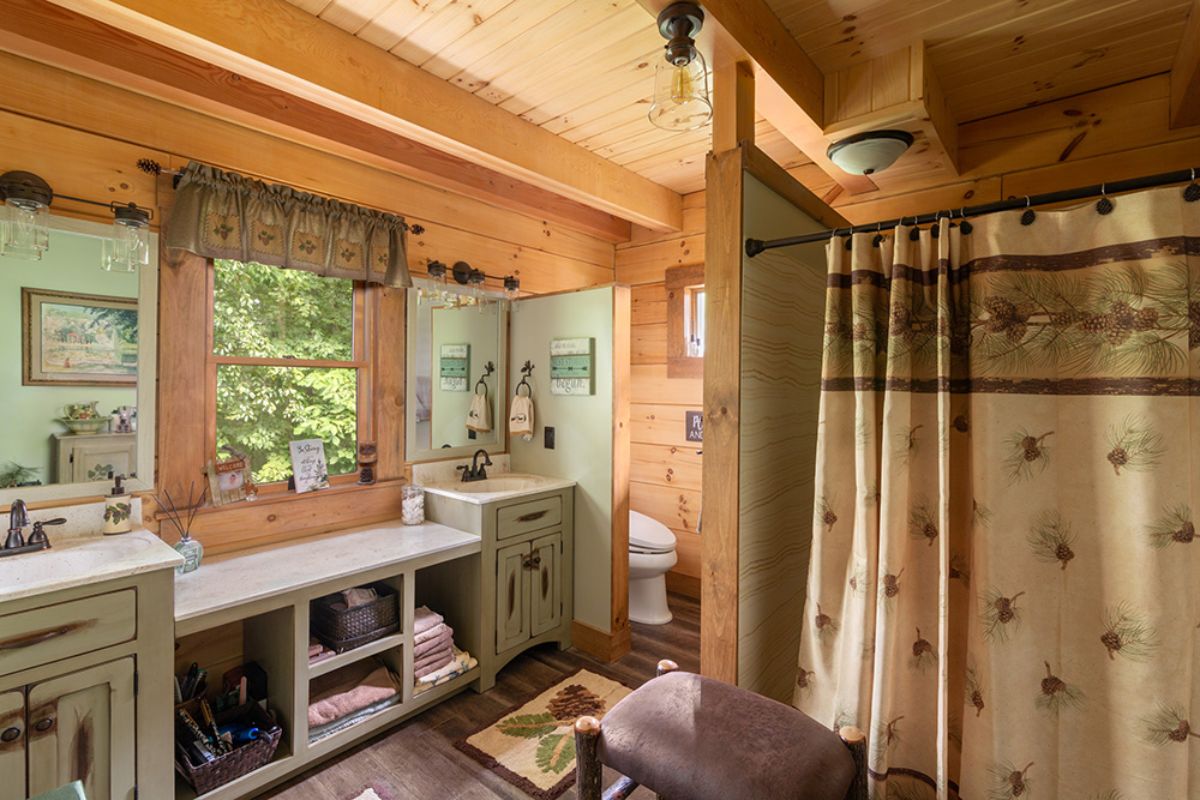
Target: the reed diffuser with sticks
(181, 518)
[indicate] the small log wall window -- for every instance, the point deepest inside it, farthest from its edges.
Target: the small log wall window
(685, 322)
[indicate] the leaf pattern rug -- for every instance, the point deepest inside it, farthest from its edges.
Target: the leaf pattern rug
(532, 746)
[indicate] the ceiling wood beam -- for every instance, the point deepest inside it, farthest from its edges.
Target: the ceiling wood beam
(1185, 74)
(70, 41)
(277, 45)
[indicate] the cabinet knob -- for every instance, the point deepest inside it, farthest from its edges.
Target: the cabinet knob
(10, 734)
(44, 724)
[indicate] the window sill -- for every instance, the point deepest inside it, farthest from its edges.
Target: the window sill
(274, 498)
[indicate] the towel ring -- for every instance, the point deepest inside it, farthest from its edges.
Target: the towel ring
(488, 369)
(526, 372)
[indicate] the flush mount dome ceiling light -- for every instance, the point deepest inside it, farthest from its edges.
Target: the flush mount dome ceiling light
(681, 79)
(869, 152)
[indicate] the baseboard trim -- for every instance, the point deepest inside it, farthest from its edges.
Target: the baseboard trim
(686, 585)
(599, 644)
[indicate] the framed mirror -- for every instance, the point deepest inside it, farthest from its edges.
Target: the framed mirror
(77, 358)
(456, 349)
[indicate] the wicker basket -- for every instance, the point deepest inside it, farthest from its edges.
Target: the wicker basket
(240, 761)
(346, 629)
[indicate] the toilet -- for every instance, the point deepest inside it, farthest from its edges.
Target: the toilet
(651, 555)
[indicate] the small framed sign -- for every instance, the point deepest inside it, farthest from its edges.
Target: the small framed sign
(694, 422)
(455, 365)
(308, 465)
(572, 366)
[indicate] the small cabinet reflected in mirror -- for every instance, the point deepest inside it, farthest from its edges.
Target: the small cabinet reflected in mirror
(77, 354)
(456, 372)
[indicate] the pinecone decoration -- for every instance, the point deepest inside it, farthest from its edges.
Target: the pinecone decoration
(1032, 446)
(1096, 323)
(1016, 782)
(961, 424)
(829, 518)
(804, 678)
(930, 532)
(1118, 457)
(574, 701)
(921, 647)
(1006, 608)
(1145, 320)
(1181, 732)
(1185, 534)
(824, 622)
(1112, 642)
(1064, 553)
(891, 584)
(977, 701)
(1064, 319)
(1052, 684)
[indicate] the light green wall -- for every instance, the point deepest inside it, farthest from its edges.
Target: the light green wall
(478, 328)
(71, 264)
(583, 431)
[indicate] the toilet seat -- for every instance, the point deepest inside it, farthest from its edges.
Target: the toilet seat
(649, 536)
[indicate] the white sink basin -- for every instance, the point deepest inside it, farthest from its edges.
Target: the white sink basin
(501, 486)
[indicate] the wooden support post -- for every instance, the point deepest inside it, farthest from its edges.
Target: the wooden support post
(856, 740)
(588, 770)
(733, 105)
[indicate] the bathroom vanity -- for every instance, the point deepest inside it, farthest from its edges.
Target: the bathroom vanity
(526, 530)
(85, 665)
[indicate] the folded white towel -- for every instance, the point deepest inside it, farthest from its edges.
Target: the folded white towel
(520, 418)
(479, 417)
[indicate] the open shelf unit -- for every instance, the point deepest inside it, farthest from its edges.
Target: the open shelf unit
(274, 631)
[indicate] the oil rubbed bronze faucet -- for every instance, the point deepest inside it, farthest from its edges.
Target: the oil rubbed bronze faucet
(18, 518)
(476, 471)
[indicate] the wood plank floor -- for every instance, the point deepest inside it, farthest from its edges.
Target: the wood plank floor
(418, 761)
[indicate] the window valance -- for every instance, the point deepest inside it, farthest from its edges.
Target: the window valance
(220, 214)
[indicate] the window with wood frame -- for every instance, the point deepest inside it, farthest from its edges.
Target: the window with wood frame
(287, 359)
(685, 322)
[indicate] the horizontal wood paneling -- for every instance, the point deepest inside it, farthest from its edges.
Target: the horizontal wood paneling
(666, 471)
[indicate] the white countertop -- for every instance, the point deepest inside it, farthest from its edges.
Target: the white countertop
(78, 560)
(525, 485)
(234, 579)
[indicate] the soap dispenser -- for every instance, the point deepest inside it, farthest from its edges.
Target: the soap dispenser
(118, 508)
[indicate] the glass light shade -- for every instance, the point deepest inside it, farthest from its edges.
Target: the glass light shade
(128, 248)
(23, 229)
(681, 95)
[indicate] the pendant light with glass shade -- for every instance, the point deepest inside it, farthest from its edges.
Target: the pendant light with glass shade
(680, 100)
(129, 246)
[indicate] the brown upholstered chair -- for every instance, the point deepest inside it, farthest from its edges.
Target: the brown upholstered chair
(687, 737)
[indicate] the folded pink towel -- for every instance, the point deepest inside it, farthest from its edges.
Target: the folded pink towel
(431, 633)
(314, 647)
(433, 645)
(433, 666)
(424, 619)
(436, 657)
(348, 691)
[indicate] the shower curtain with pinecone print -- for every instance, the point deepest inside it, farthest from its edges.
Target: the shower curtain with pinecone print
(1004, 590)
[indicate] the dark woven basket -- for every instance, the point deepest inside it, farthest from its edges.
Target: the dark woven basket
(240, 761)
(342, 630)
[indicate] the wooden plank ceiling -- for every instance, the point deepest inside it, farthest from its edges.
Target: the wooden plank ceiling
(994, 56)
(583, 69)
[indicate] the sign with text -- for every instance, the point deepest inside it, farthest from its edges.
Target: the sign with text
(694, 426)
(308, 465)
(572, 366)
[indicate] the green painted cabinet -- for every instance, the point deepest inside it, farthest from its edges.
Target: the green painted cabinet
(12, 745)
(512, 593)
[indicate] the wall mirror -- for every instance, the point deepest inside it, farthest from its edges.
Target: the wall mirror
(456, 365)
(77, 355)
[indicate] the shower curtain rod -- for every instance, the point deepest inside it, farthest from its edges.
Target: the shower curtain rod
(756, 246)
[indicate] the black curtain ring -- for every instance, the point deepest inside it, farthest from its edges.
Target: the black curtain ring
(1028, 215)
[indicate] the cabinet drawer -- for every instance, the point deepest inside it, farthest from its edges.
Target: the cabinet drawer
(532, 516)
(47, 634)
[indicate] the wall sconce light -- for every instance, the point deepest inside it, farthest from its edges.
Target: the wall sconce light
(129, 246)
(680, 100)
(23, 229)
(512, 287)
(25, 233)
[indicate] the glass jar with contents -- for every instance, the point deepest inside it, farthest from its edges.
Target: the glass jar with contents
(412, 504)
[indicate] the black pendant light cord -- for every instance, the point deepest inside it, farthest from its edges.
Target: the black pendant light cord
(756, 246)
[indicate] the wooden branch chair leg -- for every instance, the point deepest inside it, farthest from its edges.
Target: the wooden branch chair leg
(856, 741)
(588, 771)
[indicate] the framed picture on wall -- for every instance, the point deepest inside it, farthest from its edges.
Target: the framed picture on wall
(72, 339)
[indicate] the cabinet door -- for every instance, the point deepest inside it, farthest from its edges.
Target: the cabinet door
(12, 745)
(81, 727)
(545, 591)
(92, 461)
(512, 596)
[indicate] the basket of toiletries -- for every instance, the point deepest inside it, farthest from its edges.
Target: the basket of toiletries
(350, 619)
(212, 749)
